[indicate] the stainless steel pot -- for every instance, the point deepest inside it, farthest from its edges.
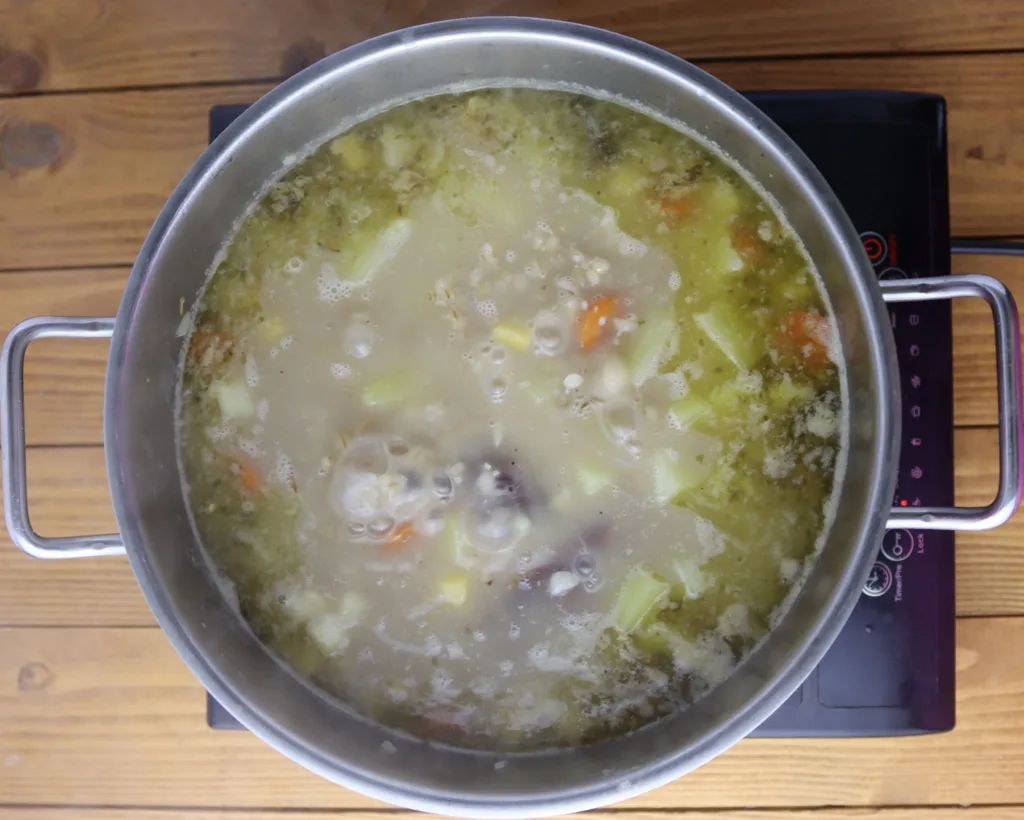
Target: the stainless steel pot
(301, 722)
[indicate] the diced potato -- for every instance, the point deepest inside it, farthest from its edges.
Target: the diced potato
(397, 146)
(355, 155)
(233, 398)
(692, 579)
(272, 329)
(515, 336)
(455, 590)
(785, 393)
(641, 593)
(732, 334)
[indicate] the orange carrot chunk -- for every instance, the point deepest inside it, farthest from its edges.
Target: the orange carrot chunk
(679, 206)
(808, 333)
(249, 476)
(596, 321)
(748, 244)
(401, 535)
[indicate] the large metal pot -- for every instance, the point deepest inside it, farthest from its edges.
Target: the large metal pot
(145, 483)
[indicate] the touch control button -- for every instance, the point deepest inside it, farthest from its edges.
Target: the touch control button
(893, 273)
(879, 580)
(898, 545)
(874, 246)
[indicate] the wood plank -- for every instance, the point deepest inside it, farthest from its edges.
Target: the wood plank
(67, 44)
(64, 379)
(888, 813)
(92, 171)
(111, 716)
(68, 496)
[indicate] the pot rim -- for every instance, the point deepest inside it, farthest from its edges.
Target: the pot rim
(815, 639)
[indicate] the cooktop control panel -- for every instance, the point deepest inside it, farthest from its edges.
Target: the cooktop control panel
(891, 671)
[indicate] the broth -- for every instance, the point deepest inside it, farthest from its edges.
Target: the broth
(513, 417)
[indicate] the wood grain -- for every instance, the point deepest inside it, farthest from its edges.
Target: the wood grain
(92, 171)
(889, 813)
(75, 44)
(68, 496)
(112, 716)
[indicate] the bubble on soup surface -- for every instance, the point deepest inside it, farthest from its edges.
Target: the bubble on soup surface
(487, 308)
(252, 376)
(340, 370)
(294, 265)
(330, 287)
(359, 340)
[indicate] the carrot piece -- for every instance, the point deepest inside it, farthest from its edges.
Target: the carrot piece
(249, 476)
(401, 535)
(222, 343)
(595, 322)
(809, 334)
(678, 207)
(748, 244)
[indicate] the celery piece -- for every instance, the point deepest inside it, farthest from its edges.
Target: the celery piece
(352, 151)
(389, 391)
(382, 249)
(233, 398)
(512, 335)
(688, 411)
(593, 478)
(460, 549)
(732, 335)
(455, 590)
(674, 475)
(640, 593)
(653, 344)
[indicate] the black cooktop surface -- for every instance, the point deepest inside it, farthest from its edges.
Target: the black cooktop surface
(891, 671)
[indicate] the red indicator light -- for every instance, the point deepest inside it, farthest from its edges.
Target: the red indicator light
(874, 248)
(903, 502)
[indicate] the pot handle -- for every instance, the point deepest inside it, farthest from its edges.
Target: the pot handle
(1011, 403)
(12, 438)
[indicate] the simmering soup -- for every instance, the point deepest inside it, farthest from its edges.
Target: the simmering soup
(513, 418)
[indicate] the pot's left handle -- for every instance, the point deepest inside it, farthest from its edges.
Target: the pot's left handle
(12, 438)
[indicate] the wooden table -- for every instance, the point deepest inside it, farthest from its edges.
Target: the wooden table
(103, 107)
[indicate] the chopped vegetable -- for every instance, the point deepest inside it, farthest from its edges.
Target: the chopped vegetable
(593, 478)
(272, 329)
(595, 323)
(694, 581)
(329, 630)
(732, 333)
(402, 534)
(786, 392)
(688, 411)
(233, 399)
(209, 346)
(654, 343)
(639, 595)
(748, 245)
(389, 391)
(678, 206)
(352, 150)
(455, 590)
(249, 476)
(674, 474)
(397, 146)
(561, 583)
(511, 335)
(383, 249)
(809, 333)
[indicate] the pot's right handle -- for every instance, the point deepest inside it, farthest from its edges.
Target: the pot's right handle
(1011, 403)
(12, 438)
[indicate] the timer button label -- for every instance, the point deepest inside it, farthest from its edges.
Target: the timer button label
(879, 580)
(874, 246)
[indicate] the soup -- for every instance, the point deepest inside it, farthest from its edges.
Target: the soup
(512, 417)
